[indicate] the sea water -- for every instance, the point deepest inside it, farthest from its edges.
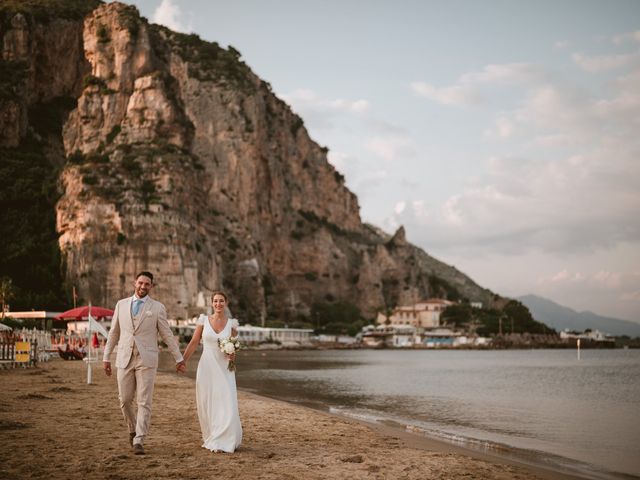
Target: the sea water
(577, 415)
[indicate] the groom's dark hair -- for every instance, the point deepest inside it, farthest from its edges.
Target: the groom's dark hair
(146, 274)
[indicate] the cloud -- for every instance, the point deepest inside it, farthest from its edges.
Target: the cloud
(610, 293)
(558, 115)
(502, 74)
(608, 279)
(319, 112)
(467, 91)
(573, 187)
(503, 127)
(524, 205)
(391, 147)
(600, 279)
(360, 176)
(338, 160)
(564, 276)
(456, 95)
(170, 15)
(628, 37)
(631, 296)
(601, 63)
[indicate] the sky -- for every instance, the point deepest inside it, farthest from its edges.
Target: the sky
(503, 135)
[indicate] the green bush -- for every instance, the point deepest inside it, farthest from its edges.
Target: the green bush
(115, 131)
(233, 243)
(131, 165)
(93, 80)
(12, 76)
(103, 34)
(337, 318)
(515, 318)
(76, 158)
(89, 180)
(442, 289)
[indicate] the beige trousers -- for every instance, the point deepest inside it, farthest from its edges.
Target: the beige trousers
(135, 383)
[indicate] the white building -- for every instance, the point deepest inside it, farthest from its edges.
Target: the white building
(399, 336)
(588, 335)
(425, 314)
(288, 337)
(250, 335)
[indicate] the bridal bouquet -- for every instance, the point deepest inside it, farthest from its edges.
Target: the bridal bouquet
(229, 346)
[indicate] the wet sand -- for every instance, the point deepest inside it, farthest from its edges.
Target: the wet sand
(53, 425)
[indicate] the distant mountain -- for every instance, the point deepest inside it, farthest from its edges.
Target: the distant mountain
(560, 317)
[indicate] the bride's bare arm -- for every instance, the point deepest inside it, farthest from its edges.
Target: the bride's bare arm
(193, 344)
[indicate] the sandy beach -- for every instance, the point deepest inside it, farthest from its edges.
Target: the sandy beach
(53, 425)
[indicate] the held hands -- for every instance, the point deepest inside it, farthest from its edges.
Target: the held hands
(181, 367)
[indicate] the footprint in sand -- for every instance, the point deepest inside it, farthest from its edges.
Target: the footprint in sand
(61, 389)
(34, 396)
(11, 425)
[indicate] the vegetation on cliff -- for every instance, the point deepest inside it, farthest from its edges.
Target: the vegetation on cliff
(208, 61)
(29, 248)
(514, 318)
(46, 10)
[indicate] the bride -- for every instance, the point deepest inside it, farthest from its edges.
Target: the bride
(216, 395)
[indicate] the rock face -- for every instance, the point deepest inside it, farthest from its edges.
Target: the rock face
(42, 62)
(181, 161)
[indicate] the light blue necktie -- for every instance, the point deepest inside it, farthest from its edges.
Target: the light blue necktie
(137, 303)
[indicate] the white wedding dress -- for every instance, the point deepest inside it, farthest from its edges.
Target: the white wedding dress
(216, 394)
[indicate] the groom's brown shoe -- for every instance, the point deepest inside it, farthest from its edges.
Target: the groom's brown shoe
(132, 435)
(138, 449)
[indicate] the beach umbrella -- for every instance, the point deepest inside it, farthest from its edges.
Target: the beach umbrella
(5, 327)
(82, 313)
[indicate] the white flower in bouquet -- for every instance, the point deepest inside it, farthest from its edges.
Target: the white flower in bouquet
(229, 346)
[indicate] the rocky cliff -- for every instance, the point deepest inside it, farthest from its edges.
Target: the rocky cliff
(175, 157)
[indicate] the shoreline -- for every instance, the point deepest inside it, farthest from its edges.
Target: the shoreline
(54, 425)
(546, 464)
(433, 444)
(502, 454)
(423, 434)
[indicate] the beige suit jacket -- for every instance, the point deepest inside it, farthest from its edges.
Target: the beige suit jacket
(153, 321)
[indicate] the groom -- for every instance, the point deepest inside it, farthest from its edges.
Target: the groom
(135, 325)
